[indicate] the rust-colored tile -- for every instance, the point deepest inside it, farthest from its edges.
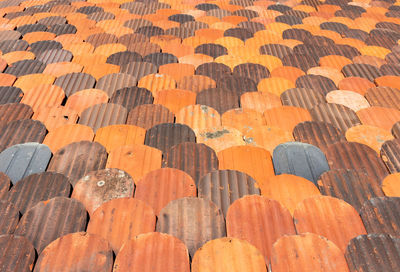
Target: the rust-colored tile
(196, 83)
(259, 101)
(243, 120)
(79, 251)
(175, 99)
(27, 82)
(115, 81)
(175, 184)
(195, 59)
(334, 61)
(221, 99)
(55, 116)
(77, 159)
(149, 115)
(307, 252)
(388, 81)
(305, 98)
(350, 155)
(371, 136)
(379, 117)
(378, 216)
(198, 117)
(390, 185)
(287, 72)
(356, 84)
(120, 220)
(275, 85)
(254, 161)
(213, 255)
(179, 50)
(101, 115)
(389, 154)
(177, 70)
(219, 138)
(131, 97)
(167, 253)
(267, 137)
(99, 70)
(332, 218)
(62, 68)
(101, 186)
(137, 160)
(157, 82)
(333, 74)
(242, 211)
(57, 214)
(181, 218)
(43, 96)
(383, 97)
(36, 36)
(350, 99)
(10, 217)
(5, 183)
(139, 69)
(14, 111)
(114, 136)
(18, 254)
(372, 60)
(74, 82)
(319, 83)
(84, 99)
(16, 56)
(286, 117)
(7, 80)
(378, 252)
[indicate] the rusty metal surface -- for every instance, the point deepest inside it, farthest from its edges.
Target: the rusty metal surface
(320, 134)
(220, 99)
(9, 217)
(14, 111)
(74, 82)
(112, 82)
(17, 254)
(330, 217)
(384, 97)
(5, 183)
(351, 155)
(238, 84)
(78, 251)
(223, 187)
(149, 115)
(38, 187)
(9, 94)
(120, 220)
(101, 38)
(379, 215)
(272, 219)
(77, 159)
(353, 186)
(390, 152)
(55, 55)
(217, 254)
(316, 82)
(277, 50)
(195, 159)
(300, 159)
(51, 219)
(302, 97)
(301, 61)
(340, 116)
(366, 71)
(194, 221)
(100, 186)
(21, 131)
(102, 115)
(213, 70)
(130, 97)
(164, 136)
(153, 252)
(373, 252)
(163, 185)
(139, 69)
(21, 160)
(307, 252)
(25, 67)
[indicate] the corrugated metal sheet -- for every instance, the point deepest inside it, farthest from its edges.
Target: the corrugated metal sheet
(196, 83)
(74, 82)
(302, 97)
(316, 82)
(340, 116)
(238, 84)
(373, 252)
(100, 186)
(320, 134)
(379, 117)
(277, 50)
(301, 61)
(49, 220)
(112, 82)
(101, 38)
(21, 160)
(139, 69)
(198, 117)
(351, 155)
(149, 115)
(120, 220)
(220, 99)
(330, 217)
(125, 57)
(390, 155)
(43, 96)
(153, 252)
(223, 187)
(285, 117)
(114, 136)
(9, 35)
(9, 217)
(137, 160)
(272, 219)
(10, 94)
(165, 136)
(25, 67)
(361, 70)
(102, 115)
(78, 251)
(198, 160)
(8, 46)
(213, 70)
(159, 59)
(379, 215)
(307, 252)
(143, 48)
(38, 187)
(175, 184)
(21, 131)
(38, 47)
(55, 55)
(54, 117)
(5, 183)
(354, 187)
(217, 255)
(77, 159)
(251, 70)
(193, 220)
(17, 253)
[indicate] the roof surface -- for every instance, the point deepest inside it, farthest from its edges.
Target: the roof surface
(200, 135)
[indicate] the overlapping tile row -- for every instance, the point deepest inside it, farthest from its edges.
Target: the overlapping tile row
(135, 127)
